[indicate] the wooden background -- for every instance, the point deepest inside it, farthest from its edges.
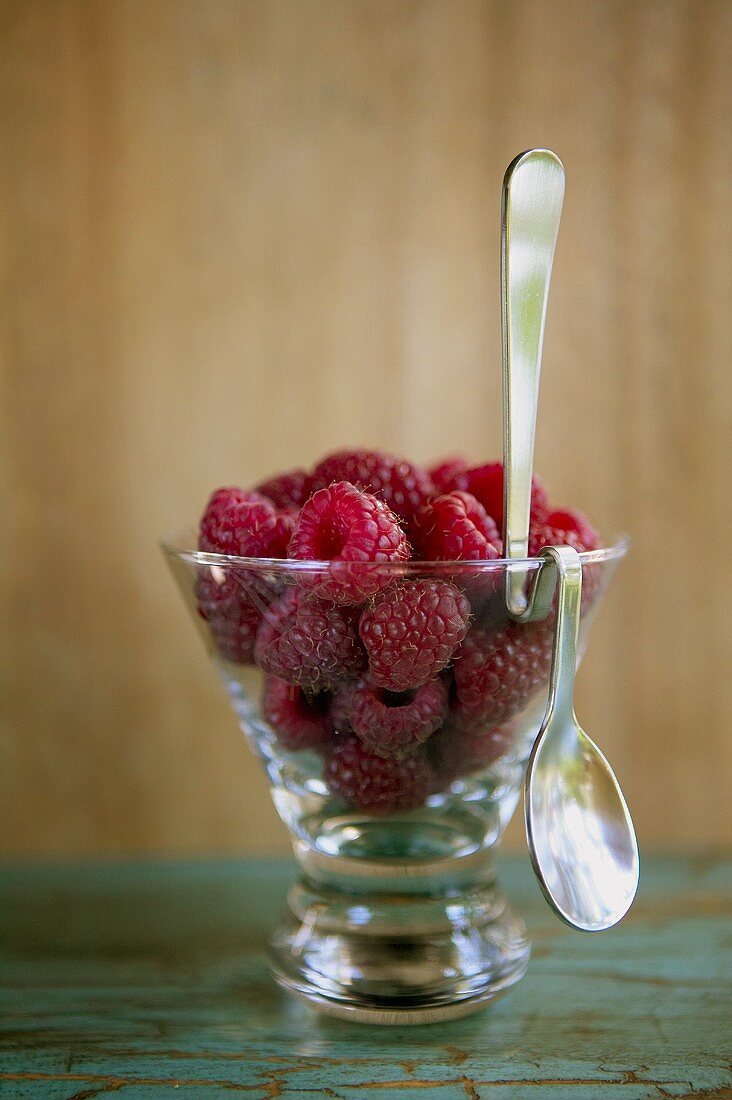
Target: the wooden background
(236, 233)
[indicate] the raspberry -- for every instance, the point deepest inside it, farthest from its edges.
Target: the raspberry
(235, 522)
(309, 642)
(388, 723)
(349, 529)
(339, 715)
(230, 599)
(568, 528)
(288, 490)
(486, 484)
(228, 495)
(378, 784)
(405, 488)
(299, 721)
(454, 753)
(455, 527)
(562, 527)
(445, 473)
(412, 631)
(285, 521)
(231, 602)
(498, 671)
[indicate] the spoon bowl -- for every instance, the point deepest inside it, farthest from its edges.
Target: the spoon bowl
(581, 853)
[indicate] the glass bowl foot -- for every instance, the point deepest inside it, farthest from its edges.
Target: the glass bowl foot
(395, 958)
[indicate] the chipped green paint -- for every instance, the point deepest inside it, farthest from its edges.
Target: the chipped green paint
(149, 980)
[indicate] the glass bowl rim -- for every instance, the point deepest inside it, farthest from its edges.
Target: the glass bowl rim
(176, 547)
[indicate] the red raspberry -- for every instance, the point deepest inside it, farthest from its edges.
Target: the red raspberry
(225, 603)
(240, 523)
(562, 527)
(285, 522)
(454, 753)
(340, 711)
(455, 527)
(309, 642)
(446, 472)
(486, 484)
(377, 784)
(412, 631)
(299, 721)
(288, 490)
(349, 529)
(228, 495)
(231, 599)
(568, 528)
(401, 485)
(498, 671)
(388, 723)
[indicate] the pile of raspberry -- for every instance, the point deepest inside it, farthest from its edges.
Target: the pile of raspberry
(402, 682)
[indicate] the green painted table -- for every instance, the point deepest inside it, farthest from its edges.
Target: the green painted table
(149, 980)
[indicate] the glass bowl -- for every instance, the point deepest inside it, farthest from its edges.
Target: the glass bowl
(395, 792)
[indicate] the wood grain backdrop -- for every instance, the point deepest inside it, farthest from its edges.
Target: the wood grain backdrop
(236, 233)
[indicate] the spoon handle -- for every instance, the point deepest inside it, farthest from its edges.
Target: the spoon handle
(560, 705)
(531, 207)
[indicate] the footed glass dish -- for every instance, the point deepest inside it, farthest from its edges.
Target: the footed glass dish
(393, 707)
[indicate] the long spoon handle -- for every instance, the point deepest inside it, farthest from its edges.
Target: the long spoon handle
(533, 193)
(560, 705)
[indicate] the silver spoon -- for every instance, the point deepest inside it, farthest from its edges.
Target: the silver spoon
(581, 838)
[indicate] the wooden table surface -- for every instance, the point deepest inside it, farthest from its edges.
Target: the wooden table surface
(150, 980)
